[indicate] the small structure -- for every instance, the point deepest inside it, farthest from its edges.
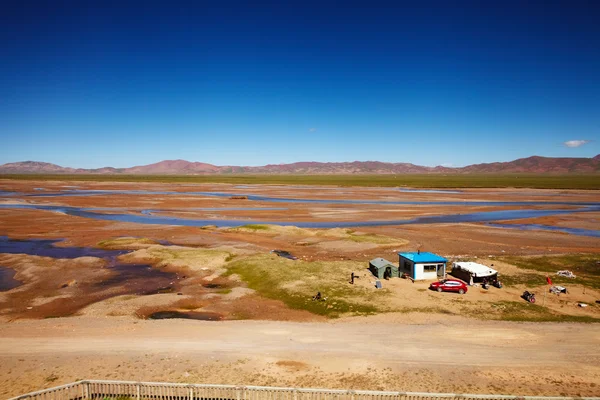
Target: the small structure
(382, 268)
(472, 272)
(422, 265)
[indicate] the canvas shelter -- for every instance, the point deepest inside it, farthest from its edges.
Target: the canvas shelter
(382, 268)
(422, 265)
(472, 272)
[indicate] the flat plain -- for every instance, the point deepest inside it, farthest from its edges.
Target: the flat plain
(95, 261)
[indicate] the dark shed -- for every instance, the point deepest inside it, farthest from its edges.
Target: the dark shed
(382, 268)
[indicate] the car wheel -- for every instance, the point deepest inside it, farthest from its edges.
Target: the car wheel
(439, 289)
(461, 291)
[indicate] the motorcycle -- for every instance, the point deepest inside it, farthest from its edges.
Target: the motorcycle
(528, 296)
(497, 283)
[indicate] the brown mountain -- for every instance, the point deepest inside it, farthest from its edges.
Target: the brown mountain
(533, 164)
(170, 167)
(538, 164)
(34, 167)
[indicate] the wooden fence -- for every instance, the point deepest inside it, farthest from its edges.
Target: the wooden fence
(122, 390)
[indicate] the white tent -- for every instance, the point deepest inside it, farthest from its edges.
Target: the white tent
(478, 272)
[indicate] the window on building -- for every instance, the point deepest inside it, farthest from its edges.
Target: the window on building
(430, 268)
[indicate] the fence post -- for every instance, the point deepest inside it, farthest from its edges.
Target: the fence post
(138, 390)
(86, 390)
(191, 392)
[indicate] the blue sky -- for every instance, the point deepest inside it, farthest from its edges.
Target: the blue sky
(89, 84)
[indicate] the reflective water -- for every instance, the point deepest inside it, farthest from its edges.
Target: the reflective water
(534, 227)
(198, 315)
(253, 197)
(47, 248)
(7, 279)
(139, 279)
(485, 216)
(156, 212)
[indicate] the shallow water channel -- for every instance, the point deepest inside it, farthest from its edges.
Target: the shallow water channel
(131, 278)
(484, 216)
(153, 216)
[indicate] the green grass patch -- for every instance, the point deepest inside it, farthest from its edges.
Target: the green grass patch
(254, 227)
(295, 282)
(585, 266)
(523, 279)
(375, 239)
(191, 258)
(126, 243)
(538, 181)
(522, 311)
(338, 233)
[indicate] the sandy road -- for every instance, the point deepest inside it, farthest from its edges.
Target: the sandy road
(437, 354)
(473, 343)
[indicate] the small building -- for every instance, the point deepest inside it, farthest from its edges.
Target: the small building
(383, 269)
(422, 265)
(472, 272)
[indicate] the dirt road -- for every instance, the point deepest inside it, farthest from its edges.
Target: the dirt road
(456, 355)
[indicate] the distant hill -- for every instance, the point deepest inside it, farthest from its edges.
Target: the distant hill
(535, 164)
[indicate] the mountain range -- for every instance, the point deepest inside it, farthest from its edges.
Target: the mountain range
(534, 164)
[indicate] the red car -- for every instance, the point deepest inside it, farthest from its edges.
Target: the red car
(449, 285)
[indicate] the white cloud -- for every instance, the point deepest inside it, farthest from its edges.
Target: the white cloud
(312, 130)
(575, 143)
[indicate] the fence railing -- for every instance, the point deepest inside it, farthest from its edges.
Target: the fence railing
(123, 390)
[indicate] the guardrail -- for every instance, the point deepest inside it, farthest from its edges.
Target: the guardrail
(124, 390)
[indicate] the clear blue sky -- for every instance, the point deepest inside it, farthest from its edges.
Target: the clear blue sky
(90, 84)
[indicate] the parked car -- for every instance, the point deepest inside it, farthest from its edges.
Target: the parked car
(449, 285)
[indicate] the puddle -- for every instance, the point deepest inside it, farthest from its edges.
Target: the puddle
(140, 279)
(7, 279)
(284, 254)
(197, 315)
(47, 248)
(213, 286)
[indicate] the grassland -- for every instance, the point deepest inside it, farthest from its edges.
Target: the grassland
(537, 181)
(126, 243)
(520, 311)
(295, 282)
(585, 266)
(335, 233)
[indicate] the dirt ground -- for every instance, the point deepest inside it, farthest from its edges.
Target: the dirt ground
(82, 318)
(395, 352)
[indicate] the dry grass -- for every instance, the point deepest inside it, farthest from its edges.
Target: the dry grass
(180, 257)
(337, 233)
(127, 243)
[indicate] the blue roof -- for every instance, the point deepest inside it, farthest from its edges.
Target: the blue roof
(422, 257)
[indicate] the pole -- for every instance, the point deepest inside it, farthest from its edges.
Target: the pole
(544, 302)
